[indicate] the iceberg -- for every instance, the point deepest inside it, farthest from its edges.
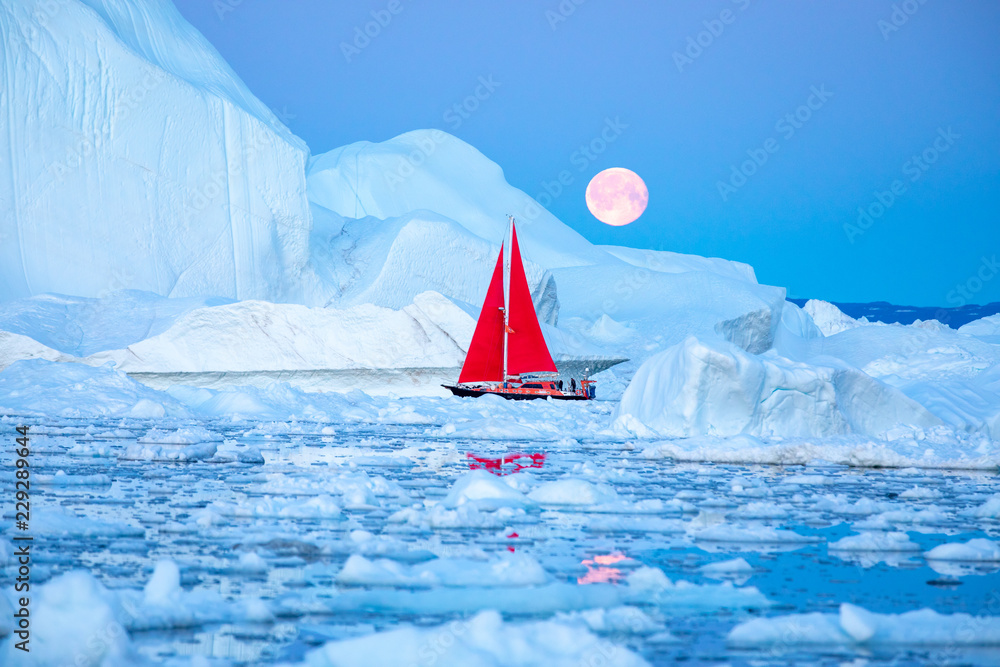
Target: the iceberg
(143, 161)
(715, 388)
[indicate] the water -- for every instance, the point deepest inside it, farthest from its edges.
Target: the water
(302, 556)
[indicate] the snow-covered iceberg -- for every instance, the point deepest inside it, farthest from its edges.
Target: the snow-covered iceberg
(715, 388)
(142, 160)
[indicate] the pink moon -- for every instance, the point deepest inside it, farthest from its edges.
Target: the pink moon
(617, 196)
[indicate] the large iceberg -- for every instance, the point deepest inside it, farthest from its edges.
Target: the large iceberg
(715, 388)
(140, 160)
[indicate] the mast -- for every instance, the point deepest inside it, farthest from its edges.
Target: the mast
(507, 248)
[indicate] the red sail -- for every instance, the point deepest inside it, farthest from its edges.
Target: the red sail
(484, 362)
(526, 348)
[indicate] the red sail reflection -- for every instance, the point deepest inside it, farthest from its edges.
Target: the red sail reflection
(599, 572)
(507, 464)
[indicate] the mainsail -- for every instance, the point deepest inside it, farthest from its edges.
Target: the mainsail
(526, 351)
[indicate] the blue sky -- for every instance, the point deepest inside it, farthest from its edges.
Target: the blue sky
(821, 108)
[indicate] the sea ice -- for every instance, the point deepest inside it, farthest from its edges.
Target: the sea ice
(854, 625)
(485, 640)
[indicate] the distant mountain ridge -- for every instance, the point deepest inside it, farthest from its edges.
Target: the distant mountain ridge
(883, 311)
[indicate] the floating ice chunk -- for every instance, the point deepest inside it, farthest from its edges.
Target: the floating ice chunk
(498, 429)
(789, 631)
(44, 388)
(839, 505)
(359, 571)
(358, 490)
(248, 563)
(572, 491)
(508, 569)
(761, 510)
(750, 534)
(643, 590)
(183, 436)
(859, 623)
(920, 493)
(931, 516)
(169, 453)
(649, 585)
(648, 579)
(616, 523)
(854, 625)
(370, 545)
(384, 461)
(990, 509)
(90, 450)
(470, 516)
(620, 620)
(72, 617)
(318, 507)
(163, 604)
(978, 550)
(250, 455)
(485, 490)
(947, 449)
(165, 584)
(809, 480)
(875, 541)
(726, 568)
(483, 641)
(62, 479)
(56, 524)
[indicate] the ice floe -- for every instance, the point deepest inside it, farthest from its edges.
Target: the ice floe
(857, 626)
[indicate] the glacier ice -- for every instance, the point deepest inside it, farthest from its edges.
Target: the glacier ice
(715, 388)
(142, 161)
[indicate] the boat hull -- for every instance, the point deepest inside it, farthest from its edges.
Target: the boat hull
(517, 394)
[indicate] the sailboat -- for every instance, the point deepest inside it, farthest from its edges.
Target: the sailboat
(508, 356)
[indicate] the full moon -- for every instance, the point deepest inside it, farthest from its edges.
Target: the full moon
(617, 196)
